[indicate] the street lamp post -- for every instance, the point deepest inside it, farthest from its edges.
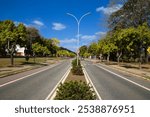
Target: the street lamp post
(78, 31)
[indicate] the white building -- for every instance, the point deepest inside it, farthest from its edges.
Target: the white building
(20, 50)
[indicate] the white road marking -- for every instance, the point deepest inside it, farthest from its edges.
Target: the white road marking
(89, 81)
(124, 78)
(52, 94)
(27, 76)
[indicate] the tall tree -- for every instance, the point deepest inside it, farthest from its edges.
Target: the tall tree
(133, 13)
(54, 46)
(83, 50)
(93, 48)
(108, 47)
(40, 50)
(32, 37)
(11, 35)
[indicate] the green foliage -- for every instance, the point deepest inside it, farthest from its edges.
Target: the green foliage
(148, 50)
(127, 42)
(130, 28)
(76, 70)
(86, 55)
(55, 41)
(132, 14)
(108, 46)
(83, 50)
(10, 36)
(75, 91)
(74, 63)
(65, 53)
(39, 50)
(93, 48)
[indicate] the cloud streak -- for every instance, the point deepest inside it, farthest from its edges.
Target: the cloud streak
(67, 41)
(38, 23)
(109, 10)
(58, 26)
(90, 37)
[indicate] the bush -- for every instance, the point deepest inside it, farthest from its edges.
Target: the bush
(74, 63)
(76, 70)
(74, 90)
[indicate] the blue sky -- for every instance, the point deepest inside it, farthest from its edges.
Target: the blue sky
(50, 18)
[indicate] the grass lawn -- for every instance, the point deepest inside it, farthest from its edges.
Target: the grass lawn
(132, 65)
(4, 62)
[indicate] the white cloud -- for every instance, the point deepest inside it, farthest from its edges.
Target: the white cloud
(38, 23)
(109, 10)
(58, 26)
(90, 37)
(86, 39)
(67, 41)
(74, 48)
(100, 34)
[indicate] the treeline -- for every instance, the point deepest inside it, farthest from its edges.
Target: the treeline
(12, 34)
(129, 35)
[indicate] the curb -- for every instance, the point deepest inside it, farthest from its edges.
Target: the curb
(88, 80)
(52, 94)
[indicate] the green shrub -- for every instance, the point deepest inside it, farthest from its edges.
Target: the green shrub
(74, 90)
(76, 70)
(74, 63)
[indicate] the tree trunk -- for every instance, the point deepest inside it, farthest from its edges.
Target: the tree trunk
(140, 62)
(12, 59)
(146, 56)
(100, 56)
(118, 58)
(108, 57)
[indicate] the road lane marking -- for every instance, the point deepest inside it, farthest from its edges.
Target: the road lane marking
(10, 82)
(124, 78)
(90, 81)
(52, 94)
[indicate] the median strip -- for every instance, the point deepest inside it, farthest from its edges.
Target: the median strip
(74, 85)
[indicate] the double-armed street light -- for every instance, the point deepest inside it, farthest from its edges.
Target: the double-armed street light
(78, 31)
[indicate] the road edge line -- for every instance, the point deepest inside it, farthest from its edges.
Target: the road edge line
(88, 80)
(52, 94)
(10, 82)
(124, 78)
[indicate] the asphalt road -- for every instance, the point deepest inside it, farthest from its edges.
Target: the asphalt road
(115, 85)
(34, 87)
